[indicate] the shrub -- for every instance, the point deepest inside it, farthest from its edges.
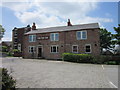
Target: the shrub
(8, 82)
(77, 57)
(9, 54)
(101, 59)
(15, 51)
(111, 63)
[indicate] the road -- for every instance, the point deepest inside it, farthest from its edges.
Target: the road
(35, 73)
(111, 71)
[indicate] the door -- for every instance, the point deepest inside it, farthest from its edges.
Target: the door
(39, 51)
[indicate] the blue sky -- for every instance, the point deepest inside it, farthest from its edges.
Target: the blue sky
(47, 14)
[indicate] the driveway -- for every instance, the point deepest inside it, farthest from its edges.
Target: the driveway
(35, 73)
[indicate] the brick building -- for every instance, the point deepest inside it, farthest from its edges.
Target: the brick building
(17, 37)
(51, 42)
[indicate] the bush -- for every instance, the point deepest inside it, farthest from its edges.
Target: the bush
(15, 51)
(111, 63)
(86, 58)
(9, 54)
(8, 82)
(101, 59)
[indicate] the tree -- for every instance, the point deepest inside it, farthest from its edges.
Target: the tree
(4, 49)
(117, 39)
(2, 30)
(8, 83)
(106, 39)
(117, 35)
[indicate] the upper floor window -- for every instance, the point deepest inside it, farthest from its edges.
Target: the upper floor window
(32, 38)
(15, 33)
(54, 36)
(81, 35)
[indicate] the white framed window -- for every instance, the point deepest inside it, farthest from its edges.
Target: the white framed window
(75, 48)
(54, 49)
(32, 38)
(88, 48)
(15, 33)
(54, 36)
(81, 35)
(31, 49)
(19, 47)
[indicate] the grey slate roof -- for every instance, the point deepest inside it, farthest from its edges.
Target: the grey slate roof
(64, 28)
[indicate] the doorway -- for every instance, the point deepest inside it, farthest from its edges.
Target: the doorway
(40, 51)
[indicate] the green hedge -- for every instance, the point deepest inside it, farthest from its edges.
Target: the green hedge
(85, 58)
(101, 59)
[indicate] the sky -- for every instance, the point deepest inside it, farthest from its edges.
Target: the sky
(50, 14)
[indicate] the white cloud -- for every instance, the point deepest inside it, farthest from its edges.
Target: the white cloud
(55, 14)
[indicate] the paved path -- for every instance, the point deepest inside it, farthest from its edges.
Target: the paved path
(34, 73)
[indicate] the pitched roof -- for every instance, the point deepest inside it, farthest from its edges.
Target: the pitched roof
(64, 28)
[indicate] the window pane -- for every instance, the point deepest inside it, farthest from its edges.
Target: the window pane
(57, 48)
(88, 49)
(84, 35)
(31, 49)
(75, 49)
(52, 36)
(54, 48)
(56, 37)
(78, 35)
(34, 38)
(30, 38)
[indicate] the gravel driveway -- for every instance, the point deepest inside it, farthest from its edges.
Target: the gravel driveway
(35, 73)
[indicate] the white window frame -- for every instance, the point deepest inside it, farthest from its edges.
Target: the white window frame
(15, 33)
(57, 51)
(54, 36)
(19, 47)
(72, 48)
(90, 48)
(33, 38)
(81, 38)
(29, 49)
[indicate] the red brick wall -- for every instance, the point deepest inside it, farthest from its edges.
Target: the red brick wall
(66, 40)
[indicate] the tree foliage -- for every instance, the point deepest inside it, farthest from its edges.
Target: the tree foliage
(2, 30)
(4, 49)
(105, 39)
(8, 83)
(117, 35)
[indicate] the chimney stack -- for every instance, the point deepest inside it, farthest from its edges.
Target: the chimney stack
(33, 26)
(69, 23)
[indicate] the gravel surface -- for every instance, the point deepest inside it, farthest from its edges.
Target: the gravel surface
(35, 73)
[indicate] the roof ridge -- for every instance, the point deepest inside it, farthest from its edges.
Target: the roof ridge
(66, 26)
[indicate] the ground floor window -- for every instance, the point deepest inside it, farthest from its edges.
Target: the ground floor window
(75, 48)
(31, 49)
(88, 48)
(54, 49)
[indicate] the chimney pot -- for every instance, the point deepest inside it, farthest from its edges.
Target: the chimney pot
(33, 26)
(69, 23)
